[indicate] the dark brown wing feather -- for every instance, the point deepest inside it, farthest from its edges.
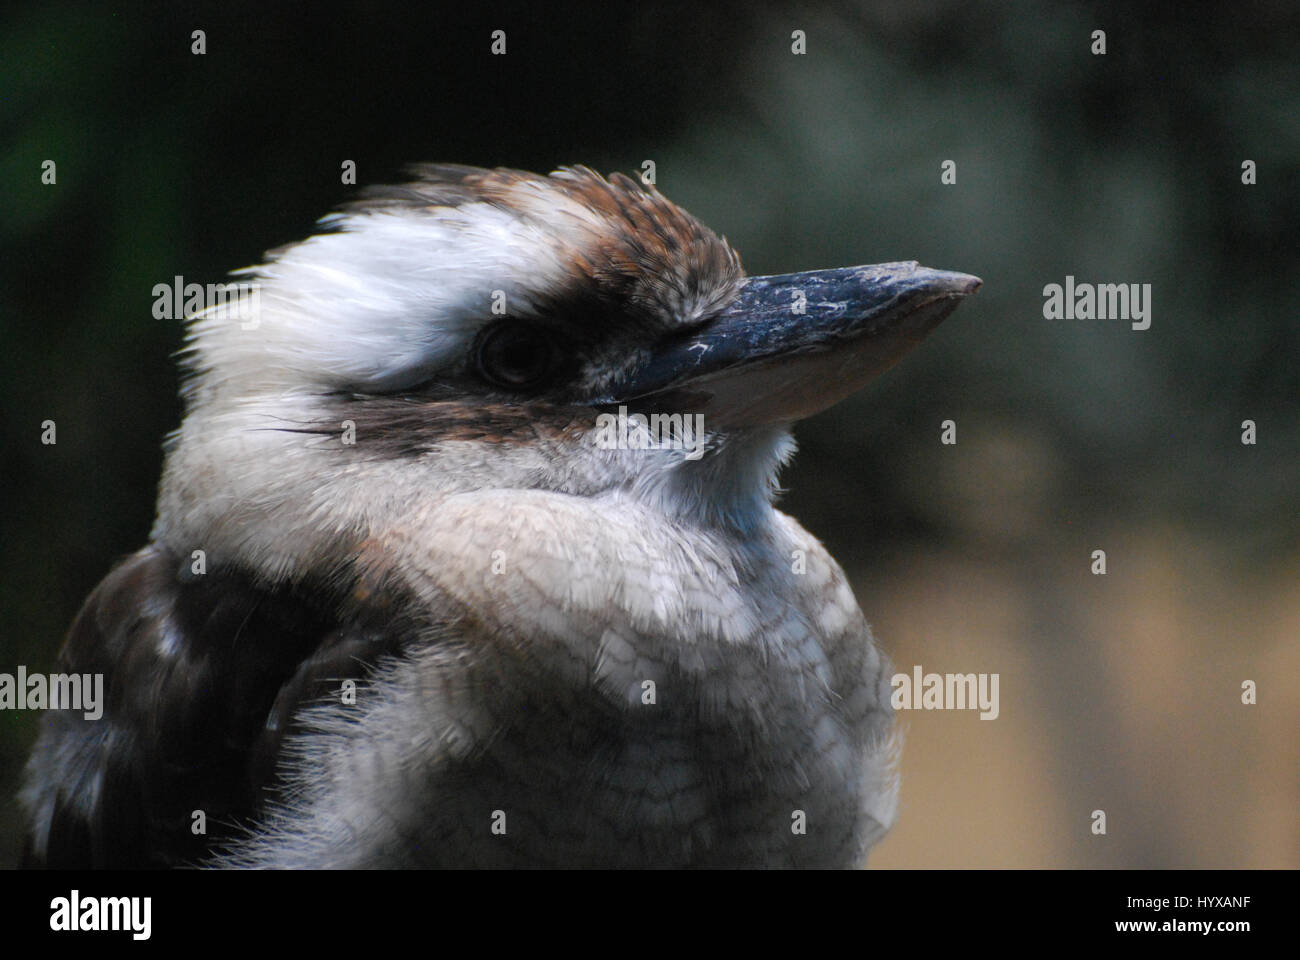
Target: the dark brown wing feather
(202, 677)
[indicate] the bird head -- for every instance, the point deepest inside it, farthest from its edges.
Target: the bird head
(495, 329)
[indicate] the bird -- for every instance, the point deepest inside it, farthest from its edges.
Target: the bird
(466, 554)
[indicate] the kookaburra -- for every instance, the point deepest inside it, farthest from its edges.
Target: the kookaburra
(411, 600)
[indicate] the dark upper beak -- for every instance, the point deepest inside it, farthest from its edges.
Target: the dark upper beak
(788, 346)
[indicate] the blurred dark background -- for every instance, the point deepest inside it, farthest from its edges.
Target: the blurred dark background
(1119, 692)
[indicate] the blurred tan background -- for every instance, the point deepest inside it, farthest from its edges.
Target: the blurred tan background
(1118, 692)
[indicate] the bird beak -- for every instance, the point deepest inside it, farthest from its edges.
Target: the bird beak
(789, 346)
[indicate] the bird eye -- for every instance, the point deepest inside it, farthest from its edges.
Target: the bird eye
(515, 356)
